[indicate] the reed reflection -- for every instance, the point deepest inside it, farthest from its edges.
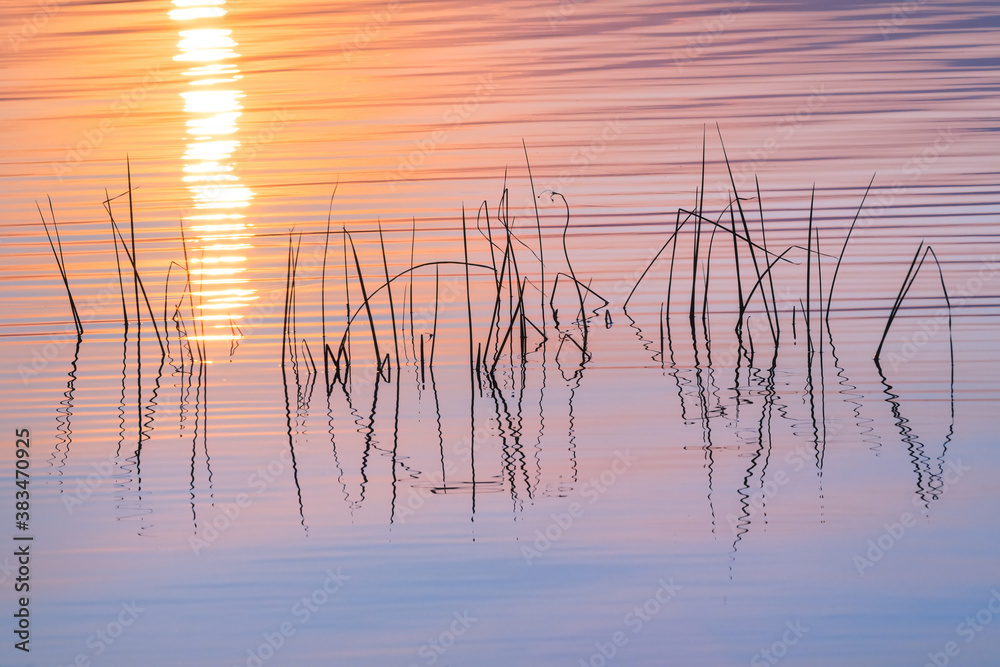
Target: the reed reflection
(217, 218)
(707, 397)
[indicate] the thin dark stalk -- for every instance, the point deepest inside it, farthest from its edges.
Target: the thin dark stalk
(293, 312)
(413, 243)
(392, 308)
(708, 268)
(584, 288)
(538, 226)
(911, 275)
(199, 344)
(121, 283)
(836, 270)
(166, 290)
(322, 291)
(746, 229)
(521, 324)
(673, 256)
(697, 229)
(140, 288)
(736, 259)
(947, 301)
(672, 239)
(61, 263)
(284, 316)
(495, 317)
(434, 330)
(468, 291)
(365, 304)
(572, 273)
(662, 357)
(312, 362)
(489, 231)
(809, 251)
(694, 265)
(765, 274)
(819, 287)
(402, 318)
(134, 257)
(510, 327)
(776, 330)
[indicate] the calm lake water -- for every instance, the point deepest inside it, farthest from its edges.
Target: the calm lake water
(524, 481)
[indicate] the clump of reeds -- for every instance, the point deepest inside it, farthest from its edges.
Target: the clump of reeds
(513, 269)
(510, 325)
(131, 255)
(739, 232)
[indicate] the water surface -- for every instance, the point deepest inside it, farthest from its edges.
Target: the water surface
(629, 488)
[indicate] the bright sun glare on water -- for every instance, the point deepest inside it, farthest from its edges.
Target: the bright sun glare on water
(214, 107)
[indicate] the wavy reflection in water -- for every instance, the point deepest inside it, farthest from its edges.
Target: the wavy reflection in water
(127, 475)
(219, 200)
(741, 425)
(64, 422)
(813, 422)
(304, 385)
(929, 470)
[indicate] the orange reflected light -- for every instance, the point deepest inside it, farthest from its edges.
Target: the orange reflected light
(211, 151)
(220, 123)
(221, 292)
(196, 13)
(214, 109)
(212, 101)
(216, 68)
(222, 306)
(220, 196)
(227, 316)
(216, 260)
(218, 272)
(217, 228)
(234, 246)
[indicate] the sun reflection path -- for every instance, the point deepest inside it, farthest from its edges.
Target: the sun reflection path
(213, 105)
